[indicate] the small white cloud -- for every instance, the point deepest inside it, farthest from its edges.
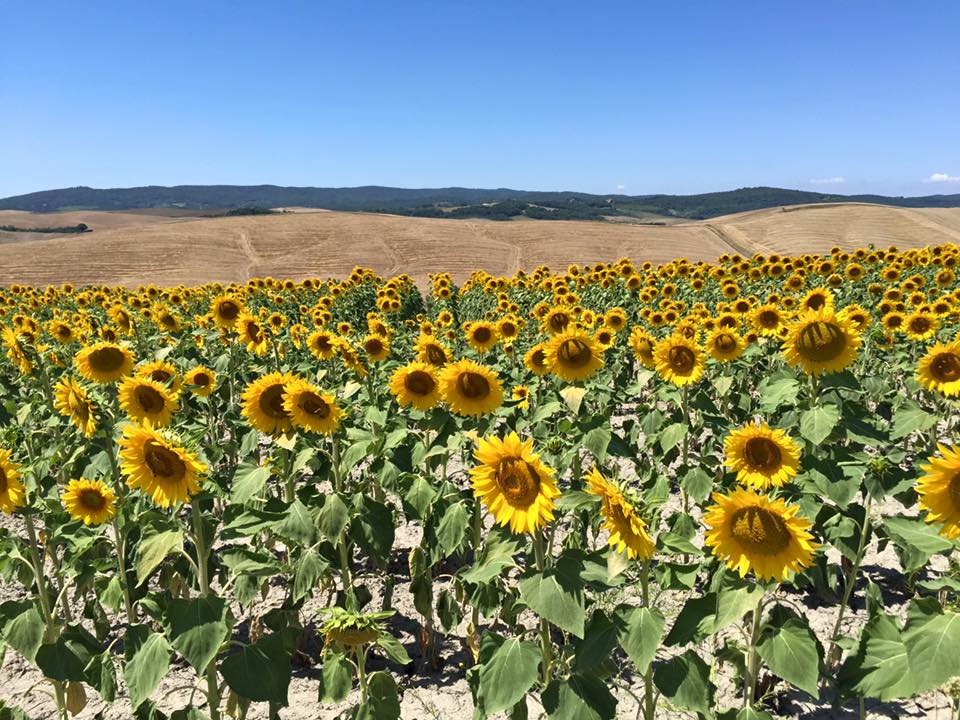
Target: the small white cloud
(621, 187)
(943, 178)
(835, 180)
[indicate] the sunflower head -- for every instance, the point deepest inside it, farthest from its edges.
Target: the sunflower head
(521, 394)
(939, 491)
(724, 345)
(416, 385)
(573, 354)
(536, 359)
(13, 494)
(226, 310)
(376, 347)
(104, 362)
(470, 388)
(160, 371)
(921, 325)
(679, 360)
(323, 344)
(309, 408)
(628, 532)
(201, 380)
(761, 456)
(71, 400)
(147, 401)
(939, 369)
(482, 336)
(642, 344)
(821, 342)
(513, 483)
(157, 464)
(263, 404)
(92, 502)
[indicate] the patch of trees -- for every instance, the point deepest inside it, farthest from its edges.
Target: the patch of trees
(78, 228)
(249, 211)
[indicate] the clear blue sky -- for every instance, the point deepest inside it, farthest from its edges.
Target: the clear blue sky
(676, 97)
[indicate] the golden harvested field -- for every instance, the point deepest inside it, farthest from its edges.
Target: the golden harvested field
(132, 248)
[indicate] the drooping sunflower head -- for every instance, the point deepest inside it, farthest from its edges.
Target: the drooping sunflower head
(104, 362)
(71, 400)
(752, 532)
(642, 344)
(147, 401)
(263, 405)
(939, 369)
(154, 462)
(309, 408)
(226, 310)
(628, 532)
(13, 494)
(939, 491)
(821, 342)
(725, 345)
(92, 502)
(513, 483)
(470, 388)
(761, 456)
(416, 384)
(573, 354)
(201, 380)
(482, 336)
(536, 359)
(679, 360)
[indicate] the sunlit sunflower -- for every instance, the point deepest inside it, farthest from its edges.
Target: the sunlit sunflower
(252, 334)
(13, 494)
(89, 501)
(416, 384)
(628, 533)
(761, 456)
(482, 336)
(201, 380)
(573, 355)
(432, 351)
(679, 360)
(147, 401)
(858, 317)
(817, 299)
(939, 491)
(323, 344)
(470, 388)
(162, 372)
(642, 344)
(376, 347)
(15, 350)
(536, 359)
(104, 362)
(939, 369)
(310, 408)
(226, 310)
(724, 345)
(263, 405)
(920, 325)
(521, 394)
(820, 341)
(513, 483)
(750, 531)
(767, 319)
(154, 462)
(72, 401)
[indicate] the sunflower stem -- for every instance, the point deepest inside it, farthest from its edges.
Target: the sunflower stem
(38, 574)
(649, 701)
(849, 583)
(213, 689)
(753, 669)
(121, 545)
(546, 647)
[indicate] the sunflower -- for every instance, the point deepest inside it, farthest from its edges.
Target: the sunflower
(766, 319)
(431, 351)
(152, 461)
(724, 345)
(939, 491)
(309, 408)
(72, 401)
(521, 393)
(761, 456)
(817, 299)
(104, 362)
(201, 380)
(90, 501)
(679, 360)
(573, 355)
(161, 372)
(514, 484)
(615, 318)
(147, 401)
(858, 317)
(323, 344)
(556, 320)
(819, 341)
(482, 336)
(920, 325)
(226, 310)
(15, 351)
(536, 359)
(939, 369)
(642, 344)
(470, 388)
(263, 404)
(252, 334)
(416, 384)
(12, 491)
(628, 533)
(750, 531)
(376, 347)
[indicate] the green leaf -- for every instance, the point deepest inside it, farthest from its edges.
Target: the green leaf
(102, 676)
(599, 640)
(640, 634)
(307, 573)
(573, 397)
(22, 627)
(453, 527)
(333, 518)
(790, 650)
(383, 698)
(146, 668)
(779, 392)
(153, 550)
(734, 603)
(336, 680)
(68, 657)
(818, 422)
(297, 525)
(248, 481)
(497, 555)
(916, 541)
(507, 676)
(697, 483)
(376, 529)
(685, 681)
(695, 621)
(597, 440)
(671, 435)
(259, 672)
(579, 697)
(198, 628)
(931, 638)
(393, 648)
(910, 418)
(557, 594)
(885, 666)
(420, 496)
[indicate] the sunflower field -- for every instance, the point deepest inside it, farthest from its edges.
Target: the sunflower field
(720, 490)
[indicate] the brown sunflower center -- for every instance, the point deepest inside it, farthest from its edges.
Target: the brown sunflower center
(271, 402)
(253, 332)
(768, 318)
(559, 321)
(760, 531)
(762, 454)
(313, 404)
(919, 324)
(323, 344)
(373, 346)
(482, 334)
(725, 343)
(149, 400)
(107, 359)
(681, 359)
(201, 379)
(435, 355)
(821, 341)
(163, 462)
(538, 359)
(228, 310)
(472, 386)
(3, 480)
(161, 376)
(92, 499)
(508, 329)
(945, 367)
(518, 480)
(954, 489)
(419, 382)
(574, 353)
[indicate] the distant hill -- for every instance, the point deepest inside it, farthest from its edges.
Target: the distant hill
(454, 202)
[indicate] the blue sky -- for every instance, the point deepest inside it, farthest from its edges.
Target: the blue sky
(636, 97)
